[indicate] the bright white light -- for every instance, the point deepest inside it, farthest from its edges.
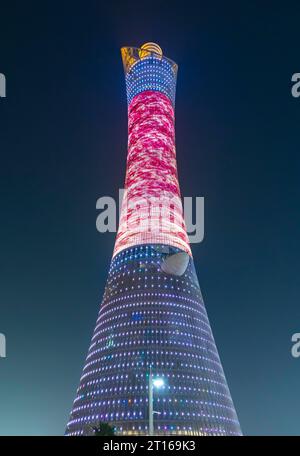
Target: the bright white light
(158, 382)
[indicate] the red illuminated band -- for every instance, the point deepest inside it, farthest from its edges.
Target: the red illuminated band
(152, 208)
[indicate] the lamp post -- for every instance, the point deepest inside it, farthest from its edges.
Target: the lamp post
(157, 382)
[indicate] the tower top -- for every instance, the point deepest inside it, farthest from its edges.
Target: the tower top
(132, 55)
(147, 48)
(146, 68)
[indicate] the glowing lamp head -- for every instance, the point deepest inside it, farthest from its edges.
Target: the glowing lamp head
(158, 382)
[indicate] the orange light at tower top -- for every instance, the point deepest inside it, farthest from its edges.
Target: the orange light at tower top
(132, 55)
(148, 48)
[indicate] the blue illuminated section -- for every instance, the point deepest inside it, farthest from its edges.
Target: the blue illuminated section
(152, 318)
(151, 73)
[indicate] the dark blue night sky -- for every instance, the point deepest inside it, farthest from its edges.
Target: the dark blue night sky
(63, 145)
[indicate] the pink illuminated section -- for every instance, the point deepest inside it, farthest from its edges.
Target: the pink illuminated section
(152, 209)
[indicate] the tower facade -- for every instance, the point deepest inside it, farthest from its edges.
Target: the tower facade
(152, 316)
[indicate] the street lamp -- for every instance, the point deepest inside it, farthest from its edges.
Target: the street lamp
(157, 382)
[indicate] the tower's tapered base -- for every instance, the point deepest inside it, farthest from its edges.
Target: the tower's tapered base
(153, 314)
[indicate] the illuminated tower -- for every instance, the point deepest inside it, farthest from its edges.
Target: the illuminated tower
(152, 313)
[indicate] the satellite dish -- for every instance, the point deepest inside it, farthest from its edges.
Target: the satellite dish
(175, 264)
